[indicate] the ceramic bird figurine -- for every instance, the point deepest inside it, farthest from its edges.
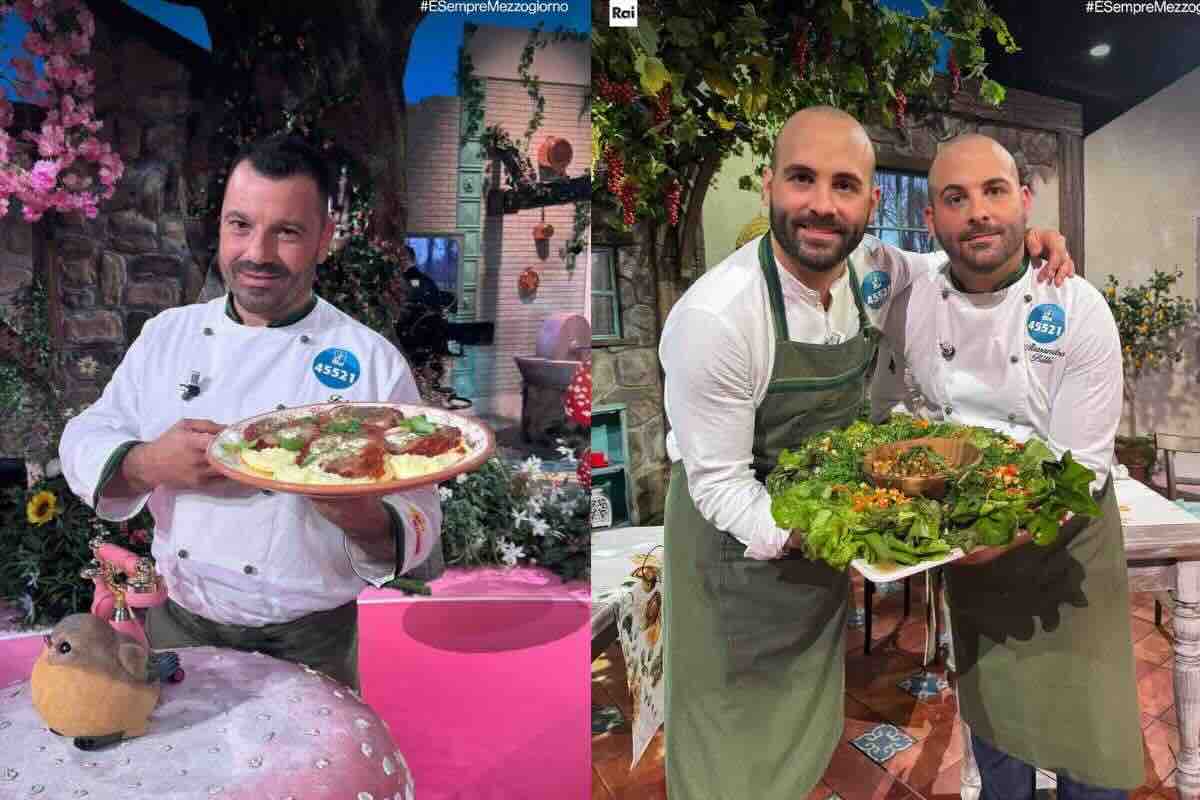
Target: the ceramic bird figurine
(95, 683)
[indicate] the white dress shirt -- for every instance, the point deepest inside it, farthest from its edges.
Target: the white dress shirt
(247, 557)
(717, 350)
(1031, 359)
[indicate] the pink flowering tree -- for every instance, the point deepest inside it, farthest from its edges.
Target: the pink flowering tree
(63, 166)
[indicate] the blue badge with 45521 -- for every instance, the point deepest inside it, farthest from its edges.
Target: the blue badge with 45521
(336, 368)
(875, 289)
(1046, 323)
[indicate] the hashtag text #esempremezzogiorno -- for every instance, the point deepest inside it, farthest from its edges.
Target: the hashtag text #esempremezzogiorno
(1151, 7)
(493, 7)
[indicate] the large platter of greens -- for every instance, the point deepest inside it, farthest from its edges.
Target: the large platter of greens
(820, 487)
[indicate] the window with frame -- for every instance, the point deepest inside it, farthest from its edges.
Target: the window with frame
(438, 255)
(606, 302)
(900, 216)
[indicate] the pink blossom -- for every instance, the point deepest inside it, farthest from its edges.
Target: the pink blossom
(91, 149)
(51, 141)
(43, 176)
(3, 207)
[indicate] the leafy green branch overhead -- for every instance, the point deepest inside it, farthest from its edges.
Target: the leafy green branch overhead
(701, 79)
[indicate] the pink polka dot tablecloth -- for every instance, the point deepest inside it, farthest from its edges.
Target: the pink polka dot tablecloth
(240, 726)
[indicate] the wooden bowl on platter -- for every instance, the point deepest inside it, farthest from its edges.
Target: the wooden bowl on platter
(958, 454)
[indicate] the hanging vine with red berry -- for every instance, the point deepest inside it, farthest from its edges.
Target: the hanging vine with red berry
(699, 80)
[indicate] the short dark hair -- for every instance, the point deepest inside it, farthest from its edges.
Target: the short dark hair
(412, 254)
(285, 155)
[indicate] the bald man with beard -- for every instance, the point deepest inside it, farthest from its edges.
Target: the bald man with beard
(768, 347)
(1041, 635)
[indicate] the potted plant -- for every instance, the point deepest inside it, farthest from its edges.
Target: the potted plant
(1150, 322)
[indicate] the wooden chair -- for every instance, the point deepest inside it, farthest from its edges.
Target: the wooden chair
(1170, 444)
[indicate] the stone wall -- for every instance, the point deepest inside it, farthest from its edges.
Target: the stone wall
(1035, 151)
(628, 372)
(17, 270)
(113, 273)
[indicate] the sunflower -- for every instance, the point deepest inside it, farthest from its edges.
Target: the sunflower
(41, 508)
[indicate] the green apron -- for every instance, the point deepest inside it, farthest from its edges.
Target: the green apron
(1044, 655)
(755, 650)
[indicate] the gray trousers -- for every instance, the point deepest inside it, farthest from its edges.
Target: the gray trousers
(327, 641)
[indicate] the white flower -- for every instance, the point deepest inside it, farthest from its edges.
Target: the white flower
(533, 465)
(535, 504)
(510, 552)
(540, 527)
(462, 478)
(568, 455)
(445, 493)
(87, 366)
(519, 517)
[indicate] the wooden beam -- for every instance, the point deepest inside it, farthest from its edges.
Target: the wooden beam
(1020, 108)
(1070, 195)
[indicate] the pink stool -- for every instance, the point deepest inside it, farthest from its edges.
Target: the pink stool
(242, 726)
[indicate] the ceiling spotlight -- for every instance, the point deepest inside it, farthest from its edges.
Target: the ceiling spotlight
(1100, 51)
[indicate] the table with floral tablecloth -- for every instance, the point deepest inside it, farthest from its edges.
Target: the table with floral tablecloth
(620, 599)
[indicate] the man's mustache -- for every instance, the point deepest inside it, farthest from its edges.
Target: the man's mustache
(971, 233)
(828, 223)
(270, 269)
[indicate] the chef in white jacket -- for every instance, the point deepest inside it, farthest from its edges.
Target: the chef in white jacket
(249, 569)
(1042, 645)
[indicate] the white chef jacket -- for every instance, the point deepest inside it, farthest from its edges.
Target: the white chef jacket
(717, 350)
(247, 557)
(1031, 359)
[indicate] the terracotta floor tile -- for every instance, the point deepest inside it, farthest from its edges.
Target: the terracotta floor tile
(1155, 648)
(1142, 668)
(864, 672)
(1156, 691)
(618, 777)
(819, 792)
(1169, 717)
(947, 785)
(855, 777)
(651, 789)
(1141, 604)
(600, 789)
(920, 765)
(1139, 628)
(1146, 720)
(1160, 743)
(614, 744)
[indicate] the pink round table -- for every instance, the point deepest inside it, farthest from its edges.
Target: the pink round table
(240, 726)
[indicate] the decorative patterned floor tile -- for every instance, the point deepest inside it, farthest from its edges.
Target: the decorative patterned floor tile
(882, 742)
(889, 587)
(925, 685)
(606, 718)
(857, 618)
